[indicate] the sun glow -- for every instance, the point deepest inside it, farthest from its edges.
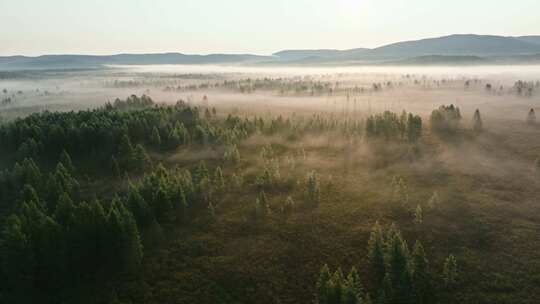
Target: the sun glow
(351, 5)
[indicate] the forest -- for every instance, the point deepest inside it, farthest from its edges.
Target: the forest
(136, 200)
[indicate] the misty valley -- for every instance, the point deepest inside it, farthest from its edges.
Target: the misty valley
(270, 184)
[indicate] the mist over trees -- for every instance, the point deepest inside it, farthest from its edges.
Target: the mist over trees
(341, 185)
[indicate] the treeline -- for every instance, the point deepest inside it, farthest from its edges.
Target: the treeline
(394, 275)
(114, 130)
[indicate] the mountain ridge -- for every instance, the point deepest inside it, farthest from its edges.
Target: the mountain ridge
(488, 48)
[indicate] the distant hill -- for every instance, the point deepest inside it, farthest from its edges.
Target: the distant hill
(458, 45)
(90, 61)
(289, 55)
(453, 49)
(530, 39)
(446, 48)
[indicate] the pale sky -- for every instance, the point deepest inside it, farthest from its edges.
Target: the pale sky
(35, 27)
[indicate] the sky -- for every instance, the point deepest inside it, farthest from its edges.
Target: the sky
(36, 27)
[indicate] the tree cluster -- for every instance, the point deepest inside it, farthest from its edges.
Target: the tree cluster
(445, 119)
(391, 126)
(395, 275)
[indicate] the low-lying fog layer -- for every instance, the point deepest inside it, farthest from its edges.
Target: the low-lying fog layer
(504, 71)
(352, 90)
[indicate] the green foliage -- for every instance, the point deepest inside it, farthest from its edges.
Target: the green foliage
(155, 138)
(115, 167)
(237, 180)
(45, 252)
(338, 289)
(288, 206)
(414, 127)
(418, 215)
(434, 201)
(313, 190)
(116, 129)
(400, 192)
(232, 154)
(218, 181)
(445, 119)
(377, 265)
(140, 158)
(144, 215)
(53, 244)
(421, 276)
(261, 208)
(65, 160)
(396, 275)
(390, 126)
(450, 272)
(201, 173)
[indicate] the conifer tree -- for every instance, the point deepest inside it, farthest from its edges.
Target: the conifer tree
(162, 203)
(115, 245)
(182, 205)
(261, 208)
(126, 152)
(421, 275)
(115, 167)
(377, 265)
(17, 258)
(235, 155)
(143, 214)
(133, 250)
(400, 192)
(211, 210)
(418, 215)
(155, 138)
(531, 117)
(450, 272)
(477, 122)
(65, 159)
(125, 148)
(398, 270)
(385, 292)
(218, 181)
(141, 159)
(29, 194)
(232, 154)
(65, 210)
(201, 172)
(434, 201)
(60, 181)
(414, 128)
(288, 206)
(335, 287)
(175, 138)
(322, 285)
(266, 179)
(264, 203)
(353, 291)
(313, 190)
(237, 180)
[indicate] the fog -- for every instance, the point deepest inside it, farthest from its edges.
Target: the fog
(349, 90)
